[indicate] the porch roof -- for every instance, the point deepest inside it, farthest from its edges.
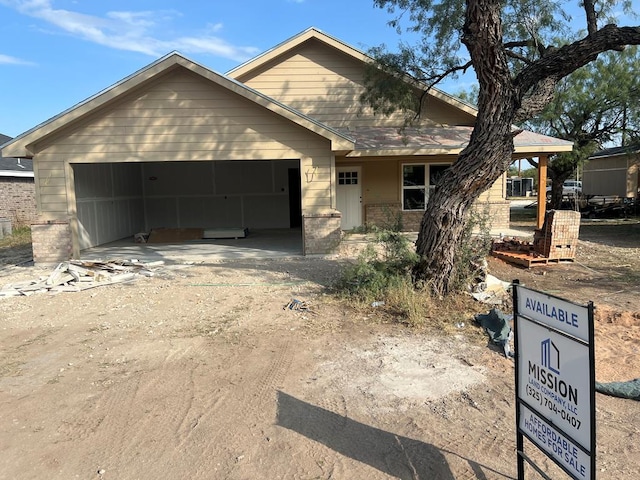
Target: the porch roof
(449, 140)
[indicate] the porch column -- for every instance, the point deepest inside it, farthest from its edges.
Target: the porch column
(542, 189)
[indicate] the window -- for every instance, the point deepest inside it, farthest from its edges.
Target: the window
(347, 178)
(413, 187)
(414, 184)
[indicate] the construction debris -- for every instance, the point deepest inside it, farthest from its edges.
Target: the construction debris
(295, 304)
(78, 275)
(492, 291)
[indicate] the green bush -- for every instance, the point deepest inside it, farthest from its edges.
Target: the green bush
(382, 273)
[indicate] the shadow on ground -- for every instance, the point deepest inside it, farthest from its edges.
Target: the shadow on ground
(391, 454)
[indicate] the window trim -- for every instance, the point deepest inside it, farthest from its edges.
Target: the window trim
(426, 186)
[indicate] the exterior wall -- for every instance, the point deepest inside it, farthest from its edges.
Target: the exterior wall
(18, 200)
(180, 117)
(51, 242)
(326, 84)
(321, 232)
(381, 193)
(51, 186)
(612, 176)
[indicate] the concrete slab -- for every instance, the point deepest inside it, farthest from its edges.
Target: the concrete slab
(257, 244)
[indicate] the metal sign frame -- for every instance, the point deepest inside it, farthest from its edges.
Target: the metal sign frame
(555, 317)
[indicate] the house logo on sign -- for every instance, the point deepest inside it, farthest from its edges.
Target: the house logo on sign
(550, 356)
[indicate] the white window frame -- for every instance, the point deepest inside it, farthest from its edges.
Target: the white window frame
(426, 186)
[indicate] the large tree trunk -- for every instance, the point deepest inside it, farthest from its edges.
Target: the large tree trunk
(482, 162)
(447, 213)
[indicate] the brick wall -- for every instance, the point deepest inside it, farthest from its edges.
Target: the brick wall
(18, 200)
(387, 215)
(497, 213)
(321, 232)
(51, 242)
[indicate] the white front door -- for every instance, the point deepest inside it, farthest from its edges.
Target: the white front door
(349, 196)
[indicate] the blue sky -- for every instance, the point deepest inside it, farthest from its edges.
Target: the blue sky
(56, 53)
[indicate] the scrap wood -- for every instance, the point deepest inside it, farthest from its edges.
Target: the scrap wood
(78, 275)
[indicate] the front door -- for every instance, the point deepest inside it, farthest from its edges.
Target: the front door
(349, 196)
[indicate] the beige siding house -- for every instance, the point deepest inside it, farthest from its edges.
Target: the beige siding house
(613, 172)
(281, 141)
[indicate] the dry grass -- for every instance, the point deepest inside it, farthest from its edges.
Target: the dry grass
(16, 248)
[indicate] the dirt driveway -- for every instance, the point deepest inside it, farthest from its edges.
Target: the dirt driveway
(199, 373)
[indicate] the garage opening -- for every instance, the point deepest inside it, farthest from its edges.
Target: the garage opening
(116, 201)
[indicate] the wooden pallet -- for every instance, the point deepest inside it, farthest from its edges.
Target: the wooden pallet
(527, 259)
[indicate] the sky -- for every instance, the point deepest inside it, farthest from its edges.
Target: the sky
(56, 53)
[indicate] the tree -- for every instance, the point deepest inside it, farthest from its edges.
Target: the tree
(518, 63)
(593, 106)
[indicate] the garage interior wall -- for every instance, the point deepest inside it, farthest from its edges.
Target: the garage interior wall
(117, 200)
(109, 201)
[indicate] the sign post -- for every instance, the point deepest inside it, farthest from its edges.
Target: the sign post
(555, 381)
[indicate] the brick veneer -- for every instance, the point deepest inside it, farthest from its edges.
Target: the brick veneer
(51, 242)
(321, 232)
(385, 215)
(18, 200)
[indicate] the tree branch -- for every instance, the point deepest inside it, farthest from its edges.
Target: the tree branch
(592, 19)
(536, 83)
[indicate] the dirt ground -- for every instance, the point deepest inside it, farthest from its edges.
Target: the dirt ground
(198, 372)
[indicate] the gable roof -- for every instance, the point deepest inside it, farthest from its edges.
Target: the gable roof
(382, 141)
(358, 142)
(313, 33)
(22, 146)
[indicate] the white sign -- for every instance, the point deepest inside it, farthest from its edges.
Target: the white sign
(554, 379)
(555, 312)
(556, 445)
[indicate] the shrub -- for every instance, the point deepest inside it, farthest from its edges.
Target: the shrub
(382, 273)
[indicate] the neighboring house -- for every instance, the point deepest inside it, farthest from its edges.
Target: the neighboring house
(281, 141)
(613, 172)
(17, 189)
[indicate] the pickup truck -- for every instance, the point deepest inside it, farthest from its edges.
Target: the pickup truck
(570, 188)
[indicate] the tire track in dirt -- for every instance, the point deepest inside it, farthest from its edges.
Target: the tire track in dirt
(140, 413)
(240, 414)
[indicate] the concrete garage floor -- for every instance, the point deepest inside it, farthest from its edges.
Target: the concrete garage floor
(258, 244)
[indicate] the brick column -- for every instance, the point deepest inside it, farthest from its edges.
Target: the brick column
(321, 232)
(51, 242)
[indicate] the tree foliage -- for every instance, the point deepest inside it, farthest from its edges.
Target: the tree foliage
(516, 52)
(594, 106)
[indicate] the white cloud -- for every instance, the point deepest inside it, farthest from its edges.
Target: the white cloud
(9, 60)
(136, 31)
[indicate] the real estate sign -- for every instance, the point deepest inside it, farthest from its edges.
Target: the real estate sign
(555, 379)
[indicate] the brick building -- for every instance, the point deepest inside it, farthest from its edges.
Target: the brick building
(17, 189)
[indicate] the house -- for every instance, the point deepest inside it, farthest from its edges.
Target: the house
(613, 172)
(281, 141)
(17, 189)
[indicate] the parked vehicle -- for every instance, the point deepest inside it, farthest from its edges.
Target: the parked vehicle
(570, 188)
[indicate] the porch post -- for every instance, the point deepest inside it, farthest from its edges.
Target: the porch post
(542, 189)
